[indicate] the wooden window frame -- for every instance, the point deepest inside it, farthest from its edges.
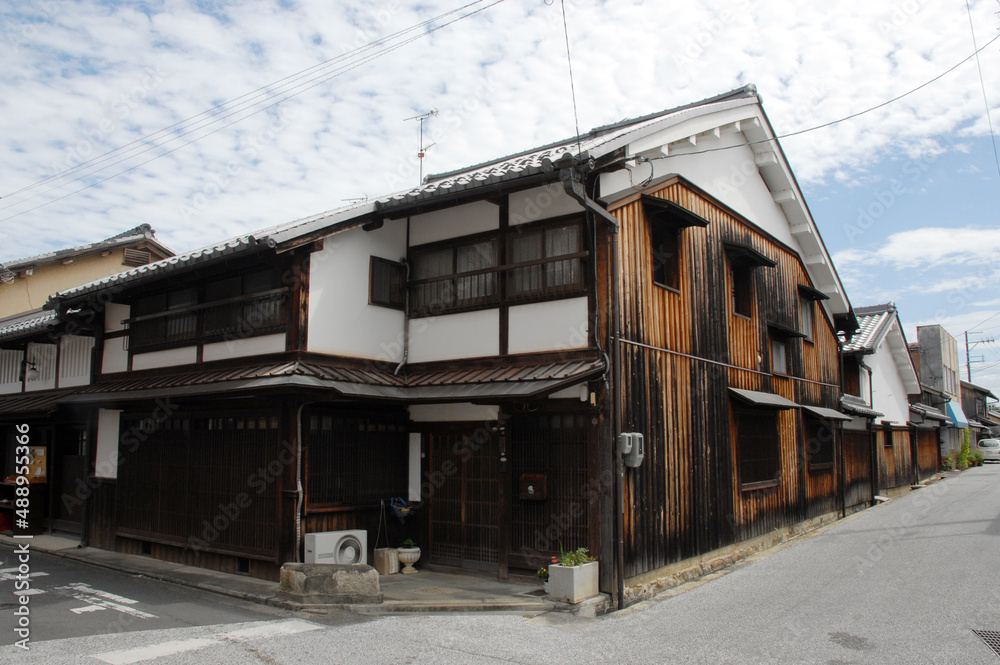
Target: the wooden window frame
(396, 271)
(666, 266)
(807, 310)
(811, 425)
(747, 454)
(546, 291)
(776, 339)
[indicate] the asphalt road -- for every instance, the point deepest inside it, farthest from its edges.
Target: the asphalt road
(906, 582)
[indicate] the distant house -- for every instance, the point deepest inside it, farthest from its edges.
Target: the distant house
(25, 284)
(937, 357)
(477, 345)
(880, 382)
(975, 404)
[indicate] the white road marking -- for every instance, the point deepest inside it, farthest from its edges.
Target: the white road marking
(89, 590)
(29, 592)
(154, 651)
(88, 608)
(271, 629)
(8, 574)
(101, 600)
(124, 609)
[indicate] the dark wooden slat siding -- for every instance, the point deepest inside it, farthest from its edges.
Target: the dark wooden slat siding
(858, 489)
(685, 499)
(927, 452)
(895, 460)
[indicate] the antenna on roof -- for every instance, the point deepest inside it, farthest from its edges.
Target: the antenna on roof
(423, 148)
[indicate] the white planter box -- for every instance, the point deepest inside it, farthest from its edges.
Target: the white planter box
(571, 584)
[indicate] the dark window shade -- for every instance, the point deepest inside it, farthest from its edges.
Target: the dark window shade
(758, 447)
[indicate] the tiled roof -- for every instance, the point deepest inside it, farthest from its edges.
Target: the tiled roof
(27, 323)
(874, 322)
(858, 406)
(928, 412)
(41, 402)
(142, 232)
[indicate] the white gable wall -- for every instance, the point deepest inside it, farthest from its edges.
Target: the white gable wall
(889, 393)
(341, 322)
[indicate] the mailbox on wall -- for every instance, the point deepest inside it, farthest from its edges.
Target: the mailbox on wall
(533, 487)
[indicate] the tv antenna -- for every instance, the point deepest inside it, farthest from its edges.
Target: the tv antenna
(423, 148)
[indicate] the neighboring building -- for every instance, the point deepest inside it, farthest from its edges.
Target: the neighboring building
(25, 284)
(880, 382)
(939, 371)
(477, 345)
(977, 409)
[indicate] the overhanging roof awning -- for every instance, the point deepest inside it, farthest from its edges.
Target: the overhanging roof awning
(663, 211)
(785, 330)
(763, 400)
(462, 385)
(829, 414)
(747, 255)
(42, 403)
(812, 293)
(957, 416)
(928, 412)
(858, 407)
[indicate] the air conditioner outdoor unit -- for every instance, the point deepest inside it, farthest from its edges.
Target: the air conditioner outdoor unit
(337, 547)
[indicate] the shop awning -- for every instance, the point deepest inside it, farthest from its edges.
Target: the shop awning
(763, 400)
(829, 414)
(957, 416)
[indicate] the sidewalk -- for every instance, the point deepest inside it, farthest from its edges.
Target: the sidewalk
(427, 591)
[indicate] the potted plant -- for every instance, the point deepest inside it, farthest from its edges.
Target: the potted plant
(574, 578)
(543, 575)
(409, 554)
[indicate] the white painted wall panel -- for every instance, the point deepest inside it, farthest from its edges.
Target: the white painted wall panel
(532, 205)
(558, 325)
(44, 356)
(183, 356)
(341, 322)
(414, 468)
(115, 356)
(447, 413)
(108, 427)
(241, 348)
(889, 395)
(454, 222)
(75, 356)
(114, 314)
(467, 335)
(10, 371)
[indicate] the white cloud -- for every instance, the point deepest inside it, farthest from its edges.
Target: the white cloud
(927, 247)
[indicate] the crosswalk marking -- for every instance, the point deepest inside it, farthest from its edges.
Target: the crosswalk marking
(154, 651)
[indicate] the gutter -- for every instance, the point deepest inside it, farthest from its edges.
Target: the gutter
(573, 179)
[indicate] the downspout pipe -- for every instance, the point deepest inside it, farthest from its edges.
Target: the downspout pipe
(299, 490)
(572, 179)
(876, 481)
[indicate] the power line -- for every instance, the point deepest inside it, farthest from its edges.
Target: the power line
(572, 86)
(299, 88)
(982, 84)
(833, 122)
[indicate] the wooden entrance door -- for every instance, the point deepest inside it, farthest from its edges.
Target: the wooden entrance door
(465, 506)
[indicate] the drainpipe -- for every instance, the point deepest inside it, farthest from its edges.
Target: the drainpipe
(406, 305)
(299, 491)
(873, 437)
(572, 179)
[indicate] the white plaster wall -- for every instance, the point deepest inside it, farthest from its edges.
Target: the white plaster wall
(580, 391)
(729, 175)
(75, 357)
(466, 335)
(44, 356)
(556, 325)
(115, 356)
(463, 220)
(889, 394)
(183, 356)
(413, 493)
(241, 348)
(341, 322)
(10, 371)
(532, 205)
(446, 413)
(114, 314)
(106, 460)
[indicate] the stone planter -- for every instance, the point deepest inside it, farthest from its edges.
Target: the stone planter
(571, 584)
(408, 556)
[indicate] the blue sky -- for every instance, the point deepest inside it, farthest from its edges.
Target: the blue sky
(905, 196)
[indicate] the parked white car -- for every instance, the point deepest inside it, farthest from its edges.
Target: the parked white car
(990, 448)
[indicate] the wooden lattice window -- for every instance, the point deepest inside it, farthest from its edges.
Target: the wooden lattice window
(758, 448)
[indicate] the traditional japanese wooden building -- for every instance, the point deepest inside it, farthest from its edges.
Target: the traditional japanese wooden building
(476, 346)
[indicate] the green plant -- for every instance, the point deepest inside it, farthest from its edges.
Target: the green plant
(576, 557)
(963, 455)
(408, 543)
(542, 574)
(947, 464)
(976, 458)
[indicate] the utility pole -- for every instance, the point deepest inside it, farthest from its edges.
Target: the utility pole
(968, 359)
(423, 149)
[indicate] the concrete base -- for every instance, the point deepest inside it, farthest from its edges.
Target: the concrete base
(330, 584)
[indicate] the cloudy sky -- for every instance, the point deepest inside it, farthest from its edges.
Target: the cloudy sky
(227, 117)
